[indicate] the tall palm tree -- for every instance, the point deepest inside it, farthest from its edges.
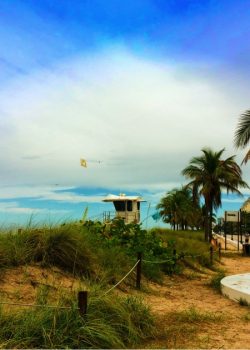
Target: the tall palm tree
(242, 133)
(210, 175)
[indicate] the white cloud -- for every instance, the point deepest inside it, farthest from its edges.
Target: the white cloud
(15, 208)
(143, 119)
(235, 200)
(71, 197)
(55, 193)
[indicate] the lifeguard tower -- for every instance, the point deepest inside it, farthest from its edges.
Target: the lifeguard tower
(126, 208)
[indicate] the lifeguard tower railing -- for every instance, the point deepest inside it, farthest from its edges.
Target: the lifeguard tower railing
(108, 216)
(126, 216)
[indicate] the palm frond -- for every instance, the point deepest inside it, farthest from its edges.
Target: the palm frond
(246, 158)
(242, 133)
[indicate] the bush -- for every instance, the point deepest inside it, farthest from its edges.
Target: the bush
(215, 280)
(189, 244)
(133, 240)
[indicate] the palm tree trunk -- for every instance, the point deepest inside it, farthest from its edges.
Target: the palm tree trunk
(210, 221)
(206, 226)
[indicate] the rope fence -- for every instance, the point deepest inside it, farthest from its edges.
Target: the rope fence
(36, 305)
(83, 295)
(117, 284)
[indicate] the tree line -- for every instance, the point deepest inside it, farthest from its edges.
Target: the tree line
(194, 205)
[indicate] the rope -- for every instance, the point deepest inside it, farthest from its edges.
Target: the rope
(117, 284)
(164, 261)
(37, 305)
(155, 262)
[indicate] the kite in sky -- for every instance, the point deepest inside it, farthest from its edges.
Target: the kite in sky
(83, 163)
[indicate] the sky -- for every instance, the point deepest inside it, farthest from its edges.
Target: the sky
(137, 88)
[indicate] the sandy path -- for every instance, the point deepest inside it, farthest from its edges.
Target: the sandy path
(182, 293)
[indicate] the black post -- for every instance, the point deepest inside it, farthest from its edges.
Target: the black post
(238, 231)
(238, 243)
(241, 223)
(211, 254)
(174, 256)
(138, 271)
(225, 230)
(219, 250)
(82, 302)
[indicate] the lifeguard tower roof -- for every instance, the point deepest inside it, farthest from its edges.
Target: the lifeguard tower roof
(122, 197)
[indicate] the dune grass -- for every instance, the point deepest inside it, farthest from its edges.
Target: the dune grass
(99, 258)
(189, 244)
(180, 329)
(111, 322)
(69, 247)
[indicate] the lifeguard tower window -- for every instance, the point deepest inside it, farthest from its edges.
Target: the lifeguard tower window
(119, 205)
(129, 205)
(138, 205)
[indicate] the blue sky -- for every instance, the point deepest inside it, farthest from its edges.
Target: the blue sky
(140, 86)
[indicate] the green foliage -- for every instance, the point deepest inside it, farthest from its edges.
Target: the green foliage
(209, 175)
(247, 317)
(133, 240)
(243, 302)
(42, 294)
(62, 246)
(242, 132)
(215, 280)
(180, 209)
(192, 315)
(190, 246)
(100, 254)
(111, 322)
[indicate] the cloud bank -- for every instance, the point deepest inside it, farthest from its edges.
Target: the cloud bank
(142, 119)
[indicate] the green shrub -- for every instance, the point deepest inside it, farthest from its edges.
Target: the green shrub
(215, 280)
(243, 302)
(189, 244)
(133, 240)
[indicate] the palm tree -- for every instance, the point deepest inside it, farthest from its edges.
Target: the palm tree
(176, 207)
(167, 208)
(242, 133)
(210, 175)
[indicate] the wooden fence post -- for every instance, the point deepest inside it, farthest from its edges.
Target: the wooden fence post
(219, 250)
(138, 271)
(83, 302)
(211, 254)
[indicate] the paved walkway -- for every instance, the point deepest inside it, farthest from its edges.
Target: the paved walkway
(230, 244)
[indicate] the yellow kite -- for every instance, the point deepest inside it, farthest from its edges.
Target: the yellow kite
(83, 162)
